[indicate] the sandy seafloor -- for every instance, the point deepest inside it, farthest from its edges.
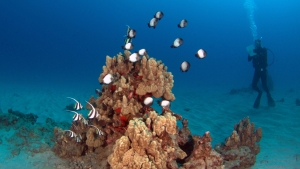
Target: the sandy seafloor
(211, 109)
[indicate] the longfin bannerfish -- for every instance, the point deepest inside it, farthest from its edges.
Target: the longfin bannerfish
(77, 105)
(99, 132)
(93, 113)
(177, 42)
(152, 23)
(76, 116)
(201, 54)
(72, 133)
(159, 15)
(183, 23)
(78, 138)
(185, 66)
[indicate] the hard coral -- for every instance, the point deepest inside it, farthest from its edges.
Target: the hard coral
(140, 148)
(240, 149)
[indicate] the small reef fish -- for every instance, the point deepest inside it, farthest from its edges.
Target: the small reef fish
(148, 101)
(128, 46)
(177, 42)
(131, 33)
(201, 54)
(99, 132)
(108, 79)
(183, 23)
(77, 105)
(98, 92)
(142, 52)
(158, 15)
(164, 103)
(78, 138)
(72, 133)
(185, 66)
(134, 57)
(93, 113)
(76, 116)
(152, 23)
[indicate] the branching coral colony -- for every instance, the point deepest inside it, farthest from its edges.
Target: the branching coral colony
(124, 131)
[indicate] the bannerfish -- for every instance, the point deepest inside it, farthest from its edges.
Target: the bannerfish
(93, 113)
(183, 23)
(108, 79)
(148, 101)
(99, 132)
(201, 54)
(152, 23)
(76, 116)
(185, 66)
(72, 133)
(134, 57)
(159, 15)
(128, 46)
(177, 42)
(77, 105)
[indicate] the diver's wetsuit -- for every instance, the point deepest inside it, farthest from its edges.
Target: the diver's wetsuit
(260, 64)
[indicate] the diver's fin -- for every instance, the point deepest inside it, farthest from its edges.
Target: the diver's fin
(271, 102)
(257, 101)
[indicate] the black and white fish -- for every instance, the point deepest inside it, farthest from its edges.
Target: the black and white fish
(142, 52)
(93, 113)
(76, 116)
(177, 42)
(77, 105)
(183, 23)
(108, 79)
(99, 132)
(134, 57)
(78, 138)
(159, 15)
(127, 46)
(148, 101)
(152, 23)
(185, 66)
(164, 103)
(131, 33)
(72, 133)
(201, 54)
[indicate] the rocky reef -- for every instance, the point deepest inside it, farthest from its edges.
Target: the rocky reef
(123, 131)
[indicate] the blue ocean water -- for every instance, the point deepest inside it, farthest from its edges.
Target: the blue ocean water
(52, 43)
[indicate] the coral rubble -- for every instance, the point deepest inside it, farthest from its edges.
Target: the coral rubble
(240, 149)
(124, 132)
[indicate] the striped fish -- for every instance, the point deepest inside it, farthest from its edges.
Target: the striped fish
(78, 105)
(76, 116)
(99, 132)
(78, 138)
(93, 113)
(72, 133)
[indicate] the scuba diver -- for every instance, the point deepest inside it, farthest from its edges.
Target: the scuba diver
(259, 58)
